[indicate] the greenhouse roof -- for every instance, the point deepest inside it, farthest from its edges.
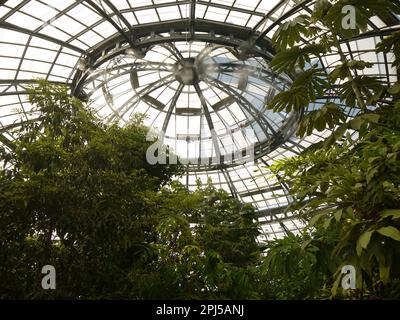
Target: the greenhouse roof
(198, 70)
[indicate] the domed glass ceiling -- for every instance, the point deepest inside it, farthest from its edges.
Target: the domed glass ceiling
(206, 103)
(197, 69)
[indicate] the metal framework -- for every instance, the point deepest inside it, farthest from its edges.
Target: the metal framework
(74, 42)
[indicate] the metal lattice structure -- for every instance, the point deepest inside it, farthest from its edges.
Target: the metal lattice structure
(198, 69)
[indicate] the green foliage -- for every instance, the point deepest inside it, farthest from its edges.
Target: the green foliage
(311, 83)
(343, 71)
(352, 189)
(293, 99)
(290, 32)
(371, 88)
(288, 60)
(331, 14)
(80, 195)
(305, 89)
(391, 43)
(346, 188)
(329, 116)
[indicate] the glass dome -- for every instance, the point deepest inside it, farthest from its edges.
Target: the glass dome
(197, 69)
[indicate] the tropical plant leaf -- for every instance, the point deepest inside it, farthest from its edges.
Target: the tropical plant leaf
(364, 239)
(288, 60)
(343, 70)
(329, 115)
(290, 32)
(368, 86)
(314, 82)
(321, 8)
(390, 232)
(395, 213)
(395, 89)
(364, 10)
(391, 43)
(292, 99)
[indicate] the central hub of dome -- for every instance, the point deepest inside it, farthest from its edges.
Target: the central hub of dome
(187, 71)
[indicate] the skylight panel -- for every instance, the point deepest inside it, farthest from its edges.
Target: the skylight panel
(74, 27)
(238, 18)
(24, 21)
(3, 11)
(36, 66)
(216, 14)
(9, 63)
(200, 10)
(130, 17)
(55, 33)
(140, 3)
(90, 38)
(39, 10)
(169, 13)
(11, 50)
(40, 54)
(66, 60)
(147, 16)
(84, 15)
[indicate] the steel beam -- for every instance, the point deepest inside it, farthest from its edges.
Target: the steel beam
(9, 26)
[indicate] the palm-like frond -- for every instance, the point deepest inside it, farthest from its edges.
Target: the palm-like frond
(290, 32)
(314, 81)
(288, 60)
(329, 115)
(343, 70)
(368, 86)
(293, 99)
(391, 44)
(365, 9)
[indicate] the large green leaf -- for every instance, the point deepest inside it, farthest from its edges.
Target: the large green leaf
(314, 81)
(288, 60)
(391, 43)
(291, 32)
(390, 232)
(292, 99)
(330, 115)
(365, 9)
(395, 213)
(343, 71)
(363, 240)
(368, 86)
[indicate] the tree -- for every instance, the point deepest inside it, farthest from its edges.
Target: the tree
(80, 195)
(346, 189)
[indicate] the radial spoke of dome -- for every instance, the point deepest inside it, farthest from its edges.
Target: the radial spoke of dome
(137, 66)
(209, 120)
(174, 50)
(119, 15)
(192, 16)
(103, 82)
(224, 122)
(111, 21)
(210, 48)
(226, 67)
(246, 105)
(138, 96)
(229, 181)
(171, 109)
